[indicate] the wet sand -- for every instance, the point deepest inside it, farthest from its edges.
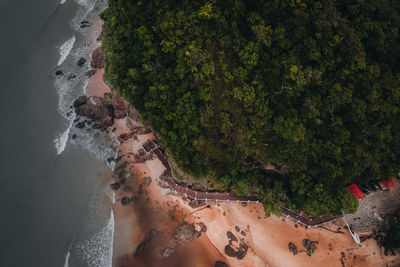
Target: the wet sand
(152, 216)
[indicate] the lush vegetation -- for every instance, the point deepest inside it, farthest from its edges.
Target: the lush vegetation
(232, 86)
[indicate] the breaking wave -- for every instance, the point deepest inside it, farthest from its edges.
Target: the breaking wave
(63, 2)
(67, 259)
(61, 141)
(65, 49)
(97, 251)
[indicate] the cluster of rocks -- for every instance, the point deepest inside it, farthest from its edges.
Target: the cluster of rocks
(309, 247)
(85, 24)
(143, 156)
(103, 110)
(237, 247)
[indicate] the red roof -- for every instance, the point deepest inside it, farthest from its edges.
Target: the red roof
(353, 188)
(388, 183)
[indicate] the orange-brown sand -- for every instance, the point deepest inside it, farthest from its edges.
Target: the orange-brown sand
(267, 238)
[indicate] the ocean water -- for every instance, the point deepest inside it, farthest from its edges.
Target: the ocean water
(55, 201)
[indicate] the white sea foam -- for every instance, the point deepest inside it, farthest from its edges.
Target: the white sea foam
(97, 251)
(63, 2)
(65, 49)
(67, 259)
(61, 141)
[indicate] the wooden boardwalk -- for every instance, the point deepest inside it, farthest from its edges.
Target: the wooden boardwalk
(167, 179)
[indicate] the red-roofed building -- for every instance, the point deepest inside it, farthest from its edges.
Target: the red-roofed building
(388, 183)
(355, 191)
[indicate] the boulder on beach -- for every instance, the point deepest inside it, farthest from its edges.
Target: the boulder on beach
(125, 201)
(59, 72)
(97, 59)
(293, 248)
(95, 108)
(115, 186)
(80, 125)
(81, 61)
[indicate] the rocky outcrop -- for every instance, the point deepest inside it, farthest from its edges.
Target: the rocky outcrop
(121, 107)
(95, 108)
(237, 247)
(104, 110)
(97, 59)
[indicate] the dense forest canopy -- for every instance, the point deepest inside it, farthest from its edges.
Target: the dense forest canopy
(233, 86)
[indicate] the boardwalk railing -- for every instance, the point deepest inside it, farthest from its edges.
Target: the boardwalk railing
(167, 179)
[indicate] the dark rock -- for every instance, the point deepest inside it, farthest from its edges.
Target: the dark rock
(74, 136)
(196, 235)
(231, 236)
(71, 76)
(96, 108)
(122, 181)
(125, 201)
(121, 107)
(244, 204)
(80, 125)
(230, 251)
(243, 233)
(147, 181)
(59, 72)
(220, 264)
(140, 248)
(97, 59)
(115, 186)
(85, 24)
(293, 248)
(237, 228)
(81, 61)
(203, 227)
(243, 248)
(90, 73)
(80, 101)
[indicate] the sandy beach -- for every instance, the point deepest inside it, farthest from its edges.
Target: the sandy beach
(153, 228)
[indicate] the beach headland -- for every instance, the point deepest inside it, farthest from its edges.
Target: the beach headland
(156, 228)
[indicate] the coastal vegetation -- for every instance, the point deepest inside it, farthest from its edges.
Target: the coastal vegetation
(234, 87)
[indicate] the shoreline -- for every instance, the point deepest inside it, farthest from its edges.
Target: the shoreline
(146, 226)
